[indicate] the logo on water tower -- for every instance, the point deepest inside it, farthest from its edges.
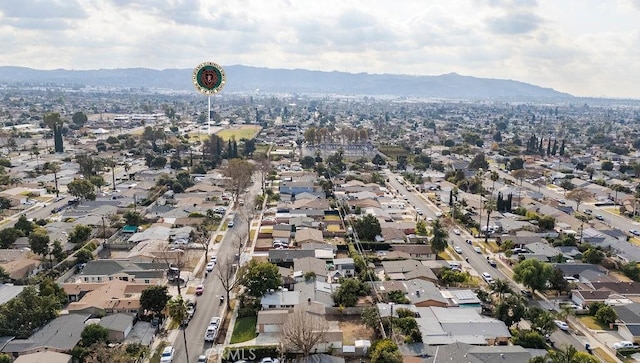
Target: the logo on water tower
(209, 78)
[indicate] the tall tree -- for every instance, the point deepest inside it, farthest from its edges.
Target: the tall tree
(239, 173)
(494, 177)
(439, 240)
(87, 165)
(79, 118)
(8, 237)
(24, 225)
(367, 227)
(154, 298)
(177, 310)
(39, 242)
(533, 273)
(54, 122)
(579, 195)
(55, 168)
(229, 277)
(260, 277)
(562, 148)
(302, 331)
(94, 333)
(82, 188)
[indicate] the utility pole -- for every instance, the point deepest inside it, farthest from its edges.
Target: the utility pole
(104, 231)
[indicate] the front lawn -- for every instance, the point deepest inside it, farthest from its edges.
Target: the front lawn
(604, 357)
(244, 329)
(591, 323)
(155, 358)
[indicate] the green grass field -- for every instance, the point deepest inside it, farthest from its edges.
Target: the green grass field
(244, 329)
(239, 132)
(393, 150)
(591, 323)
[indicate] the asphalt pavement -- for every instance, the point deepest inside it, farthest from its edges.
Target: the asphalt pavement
(209, 304)
(478, 263)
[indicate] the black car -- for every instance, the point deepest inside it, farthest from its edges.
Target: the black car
(526, 293)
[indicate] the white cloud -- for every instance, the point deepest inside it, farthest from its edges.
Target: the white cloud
(584, 47)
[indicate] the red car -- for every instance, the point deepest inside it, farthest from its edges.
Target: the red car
(199, 290)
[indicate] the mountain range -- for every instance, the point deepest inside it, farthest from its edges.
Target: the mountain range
(250, 79)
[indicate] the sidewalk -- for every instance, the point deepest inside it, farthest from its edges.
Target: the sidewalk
(592, 338)
(247, 253)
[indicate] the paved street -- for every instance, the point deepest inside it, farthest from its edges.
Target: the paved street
(478, 262)
(209, 302)
(613, 220)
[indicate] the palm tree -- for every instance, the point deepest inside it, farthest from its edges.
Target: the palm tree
(55, 168)
(177, 309)
(569, 354)
(501, 287)
(494, 177)
(112, 164)
(489, 206)
(520, 175)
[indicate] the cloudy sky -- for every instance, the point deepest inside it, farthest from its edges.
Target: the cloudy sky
(583, 47)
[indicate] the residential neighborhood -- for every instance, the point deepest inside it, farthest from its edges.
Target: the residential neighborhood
(291, 227)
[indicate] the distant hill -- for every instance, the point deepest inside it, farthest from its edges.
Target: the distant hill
(248, 79)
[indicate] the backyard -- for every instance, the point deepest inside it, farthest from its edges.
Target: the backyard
(353, 330)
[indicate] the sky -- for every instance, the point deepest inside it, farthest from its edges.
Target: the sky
(586, 48)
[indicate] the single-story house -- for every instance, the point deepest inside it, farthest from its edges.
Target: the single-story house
(271, 321)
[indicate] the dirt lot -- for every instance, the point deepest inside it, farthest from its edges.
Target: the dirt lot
(353, 329)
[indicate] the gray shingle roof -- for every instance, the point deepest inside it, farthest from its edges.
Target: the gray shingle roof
(62, 334)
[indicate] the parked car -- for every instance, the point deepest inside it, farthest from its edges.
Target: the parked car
(438, 214)
(199, 290)
(191, 311)
(477, 249)
(561, 325)
(457, 249)
(215, 321)
(588, 211)
(634, 232)
(213, 259)
(210, 333)
(487, 278)
(457, 231)
(526, 293)
(599, 217)
(202, 359)
(210, 266)
(230, 224)
(167, 355)
(419, 211)
(625, 344)
(269, 360)
(492, 263)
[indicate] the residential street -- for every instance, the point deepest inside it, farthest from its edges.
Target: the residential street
(478, 262)
(209, 302)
